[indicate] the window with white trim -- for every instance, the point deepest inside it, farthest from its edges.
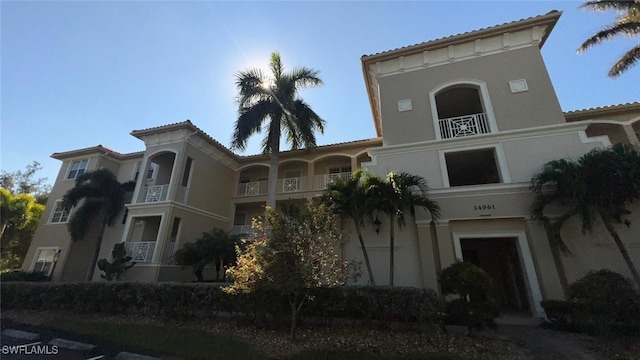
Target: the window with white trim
(44, 260)
(77, 168)
(59, 213)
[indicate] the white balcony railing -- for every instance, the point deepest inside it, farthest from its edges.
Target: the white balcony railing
(289, 185)
(155, 193)
(170, 251)
(140, 251)
(246, 231)
(462, 126)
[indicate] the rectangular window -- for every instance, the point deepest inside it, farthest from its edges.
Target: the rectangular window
(473, 167)
(339, 170)
(77, 168)
(44, 259)
(59, 213)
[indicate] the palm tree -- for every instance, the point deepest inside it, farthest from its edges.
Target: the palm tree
(102, 199)
(274, 99)
(348, 199)
(214, 247)
(626, 24)
(394, 196)
(599, 185)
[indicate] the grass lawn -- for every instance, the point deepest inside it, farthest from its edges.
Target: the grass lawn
(198, 344)
(185, 343)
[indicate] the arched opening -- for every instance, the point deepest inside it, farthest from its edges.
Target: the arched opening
(157, 176)
(462, 109)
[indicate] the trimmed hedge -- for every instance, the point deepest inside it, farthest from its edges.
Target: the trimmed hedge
(603, 302)
(206, 301)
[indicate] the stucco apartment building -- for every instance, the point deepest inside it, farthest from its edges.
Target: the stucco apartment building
(475, 114)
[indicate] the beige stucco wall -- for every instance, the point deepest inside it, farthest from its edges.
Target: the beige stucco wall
(512, 111)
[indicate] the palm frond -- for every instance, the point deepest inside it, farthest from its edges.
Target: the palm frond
(605, 5)
(629, 59)
(250, 122)
(82, 218)
(610, 32)
(305, 77)
(277, 68)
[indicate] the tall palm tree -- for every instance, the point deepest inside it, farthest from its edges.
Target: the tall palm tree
(274, 99)
(626, 24)
(348, 199)
(599, 185)
(395, 195)
(102, 199)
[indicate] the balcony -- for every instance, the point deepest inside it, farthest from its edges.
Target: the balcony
(140, 251)
(157, 193)
(246, 231)
(291, 185)
(461, 126)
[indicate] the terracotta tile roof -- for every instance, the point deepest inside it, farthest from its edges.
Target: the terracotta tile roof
(624, 106)
(184, 124)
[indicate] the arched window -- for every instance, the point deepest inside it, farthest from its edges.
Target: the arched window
(462, 109)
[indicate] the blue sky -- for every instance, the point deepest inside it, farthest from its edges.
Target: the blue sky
(76, 74)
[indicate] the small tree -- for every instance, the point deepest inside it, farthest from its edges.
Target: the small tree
(297, 253)
(397, 196)
(348, 199)
(214, 247)
(113, 270)
(472, 303)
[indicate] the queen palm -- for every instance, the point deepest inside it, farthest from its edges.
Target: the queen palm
(626, 24)
(347, 198)
(102, 198)
(599, 185)
(395, 195)
(273, 99)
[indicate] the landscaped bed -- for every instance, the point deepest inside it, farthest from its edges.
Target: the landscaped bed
(226, 338)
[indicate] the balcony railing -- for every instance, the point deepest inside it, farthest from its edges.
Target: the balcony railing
(170, 251)
(156, 193)
(291, 185)
(462, 126)
(246, 231)
(140, 251)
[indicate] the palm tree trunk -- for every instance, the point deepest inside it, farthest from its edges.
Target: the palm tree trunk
(623, 250)
(273, 167)
(364, 253)
(96, 252)
(557, 258)
(392, 230)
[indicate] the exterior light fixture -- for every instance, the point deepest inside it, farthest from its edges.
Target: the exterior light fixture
(377, 223)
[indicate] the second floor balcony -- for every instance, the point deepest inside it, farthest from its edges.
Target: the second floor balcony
(291, 185)
(157, 193)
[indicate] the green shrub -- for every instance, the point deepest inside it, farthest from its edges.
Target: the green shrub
(559, 314)
(23, 276)
(470, 296)
(605, 302)
(185, 301)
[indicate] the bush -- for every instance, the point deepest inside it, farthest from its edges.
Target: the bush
(205, 301)
(23, 276)
(605, 302)
(470, 292)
